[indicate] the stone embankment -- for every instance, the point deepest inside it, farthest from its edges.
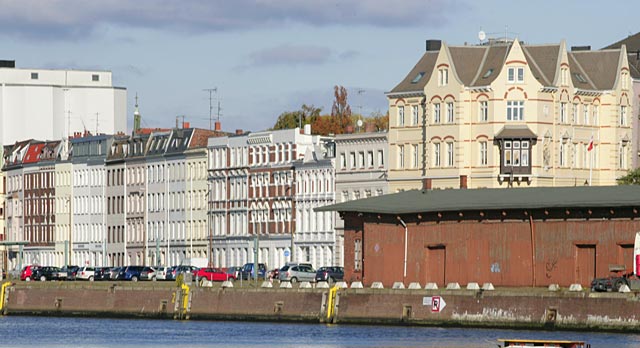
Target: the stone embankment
(500, 308)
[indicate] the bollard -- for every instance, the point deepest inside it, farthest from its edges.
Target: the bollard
(357, 285)
(414, 286)
(431, 286)
(377, 285)
(398, 285)
(473, 286)
(453, 286)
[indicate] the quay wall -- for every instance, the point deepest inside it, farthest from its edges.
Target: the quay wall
(503, 308)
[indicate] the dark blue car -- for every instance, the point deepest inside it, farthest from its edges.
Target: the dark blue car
(131, 273)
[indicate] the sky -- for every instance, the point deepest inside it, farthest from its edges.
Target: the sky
(266, 57)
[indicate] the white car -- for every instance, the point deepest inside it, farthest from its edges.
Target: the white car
(86, 273)
(161, 273)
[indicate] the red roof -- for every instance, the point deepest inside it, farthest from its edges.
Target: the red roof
(33, 153)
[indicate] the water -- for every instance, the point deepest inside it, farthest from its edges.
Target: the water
(17, 331)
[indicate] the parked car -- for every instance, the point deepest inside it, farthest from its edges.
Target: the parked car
(329, 274)
(86, 273)
(234, 271)
(69, 272)
(101, 273)
(177, 270)
(296, 273)
(46, 273)
(212, 274)
(113, 273)
(274, 273)
(618, 277)
(148, 273)
(131, 273)
(248, 271)
(27, 272)
(161, 273)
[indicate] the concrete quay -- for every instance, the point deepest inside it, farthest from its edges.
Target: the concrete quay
(530, 308)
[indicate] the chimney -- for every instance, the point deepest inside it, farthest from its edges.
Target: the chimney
(369, 127)
(239, 132)
(186, 125)
(580, 48)
(426, 184)
(433, 45)
(307, 129)
(217, 126)
(463, 181)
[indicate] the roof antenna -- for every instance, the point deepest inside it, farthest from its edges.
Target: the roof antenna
(211, 90)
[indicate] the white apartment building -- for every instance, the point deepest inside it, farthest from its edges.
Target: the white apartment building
(52, 104)
(264, 187)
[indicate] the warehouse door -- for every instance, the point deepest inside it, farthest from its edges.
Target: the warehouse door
(436, 264)
(585, 263)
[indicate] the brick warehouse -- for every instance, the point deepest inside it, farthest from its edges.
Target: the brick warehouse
(509, 237)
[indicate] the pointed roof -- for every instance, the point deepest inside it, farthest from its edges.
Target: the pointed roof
(599, 68)
(425, 66)
(543, 61)
(632, 42)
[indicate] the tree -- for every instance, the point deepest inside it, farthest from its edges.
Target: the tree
(380, 121)
(632, 178)
(293, 119)
(341, 110)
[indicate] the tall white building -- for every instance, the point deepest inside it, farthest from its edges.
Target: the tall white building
(54, 104)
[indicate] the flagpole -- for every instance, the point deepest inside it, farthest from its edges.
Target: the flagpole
(590, 159)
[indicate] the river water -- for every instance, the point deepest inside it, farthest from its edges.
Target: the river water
(19, 331)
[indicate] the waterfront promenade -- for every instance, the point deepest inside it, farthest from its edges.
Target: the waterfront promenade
(532, 308)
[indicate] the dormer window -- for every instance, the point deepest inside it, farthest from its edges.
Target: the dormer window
(418, 77)
(443, 77)
(515, 75)
(487, 73)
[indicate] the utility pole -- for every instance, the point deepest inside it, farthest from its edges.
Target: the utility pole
(97, 122)
(211, 90)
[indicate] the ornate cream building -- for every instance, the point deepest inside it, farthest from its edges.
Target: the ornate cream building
(506, 114)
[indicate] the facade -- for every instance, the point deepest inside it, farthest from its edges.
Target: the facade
(506, 114)
(89, 236)
(3, 208)
(361, 172)
(263, 190)
(137, 241)
(63, 205)
(54, 104)
(517, 237)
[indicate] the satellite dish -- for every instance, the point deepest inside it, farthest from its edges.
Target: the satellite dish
(359, 123)
(482, 35)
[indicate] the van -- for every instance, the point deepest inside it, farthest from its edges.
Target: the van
(249, 273)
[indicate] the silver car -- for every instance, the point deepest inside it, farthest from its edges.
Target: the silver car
(297, 273)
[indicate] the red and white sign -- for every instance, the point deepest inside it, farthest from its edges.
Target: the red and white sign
(436, 302)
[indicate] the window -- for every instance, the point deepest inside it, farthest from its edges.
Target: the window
(414, 112)
(370, 159)
(563, 154)
(563, 112)
(400, 116)
(449, 112)
(507, 154)
(357, 254)
(450, 154)
(585, 112)
(574, 114)
(401, 156)
(436, 154)
(415, 156)
(622, 163)
(524, 154)
(515, 110)
(484, 111)
(564, 76)
(436, 113)
(343, 161)
(418, 77)
(623, 115)
(380, 158)
(361, 159)
(353, 160)
(483, 153)
(34, 75)
(515, 75)
(95, 77)
(443, 77)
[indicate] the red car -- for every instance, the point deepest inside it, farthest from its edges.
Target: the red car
(213, 274)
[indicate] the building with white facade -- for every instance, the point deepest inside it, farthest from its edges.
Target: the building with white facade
(52, 104)
(360, 172)
(264, 187)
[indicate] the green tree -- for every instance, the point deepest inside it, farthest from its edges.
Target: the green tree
(632, 178)
(293, 119)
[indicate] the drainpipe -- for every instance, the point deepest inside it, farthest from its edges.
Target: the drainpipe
(405, 247)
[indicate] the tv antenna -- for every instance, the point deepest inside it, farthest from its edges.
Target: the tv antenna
(360, 92)
(211, 90)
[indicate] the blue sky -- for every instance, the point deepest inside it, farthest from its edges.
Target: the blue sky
(270, 56)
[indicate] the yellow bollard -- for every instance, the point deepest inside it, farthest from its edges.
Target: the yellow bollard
(2, 292)
(331, 302)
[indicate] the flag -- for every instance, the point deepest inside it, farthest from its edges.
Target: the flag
(590, 147)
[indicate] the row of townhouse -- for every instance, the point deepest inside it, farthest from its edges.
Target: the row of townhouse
(505, 114)
(158, 198)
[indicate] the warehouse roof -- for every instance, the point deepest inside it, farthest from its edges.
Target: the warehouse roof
(417, 201)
